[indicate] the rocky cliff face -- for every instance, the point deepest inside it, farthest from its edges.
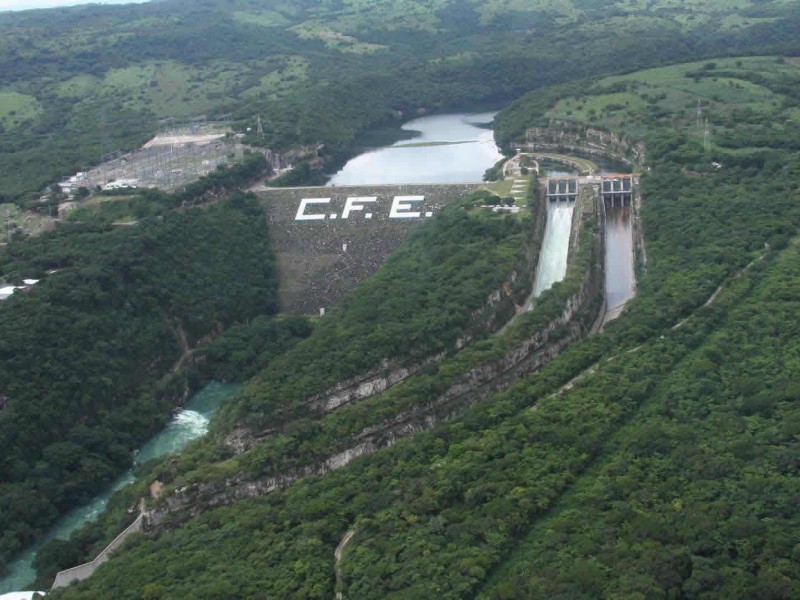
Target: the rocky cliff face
(488, 318)
(564, 135)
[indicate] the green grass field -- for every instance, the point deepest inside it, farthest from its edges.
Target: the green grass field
(632, 103)
(266, 18)
(17, 108)
(333, 39)
(281, 81)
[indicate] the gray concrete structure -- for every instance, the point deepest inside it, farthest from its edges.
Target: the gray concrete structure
(81, 572)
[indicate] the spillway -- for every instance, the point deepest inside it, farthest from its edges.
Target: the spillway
(552, 265)
(620, 278)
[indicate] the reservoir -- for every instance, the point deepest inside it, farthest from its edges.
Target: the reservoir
(450, 148)
(189, 423)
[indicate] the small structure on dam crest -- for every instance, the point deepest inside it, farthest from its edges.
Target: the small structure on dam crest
(617, 190)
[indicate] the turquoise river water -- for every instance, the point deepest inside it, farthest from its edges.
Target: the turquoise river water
(189, 423)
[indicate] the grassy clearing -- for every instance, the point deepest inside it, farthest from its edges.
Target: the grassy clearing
(335, 40)
(502, 187)
(281, 81)
(739, 21)
(266, 18)
(589, 108)
(562, 10)
(169, 88)
(511, 186)
(16, 108)
(635, 102)
(364, 15)
(79, 86)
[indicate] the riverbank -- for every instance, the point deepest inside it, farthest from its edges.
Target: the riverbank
(189, 423)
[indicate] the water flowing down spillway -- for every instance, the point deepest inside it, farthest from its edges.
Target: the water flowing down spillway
(189, 423)
(620, 278)
(552, 265)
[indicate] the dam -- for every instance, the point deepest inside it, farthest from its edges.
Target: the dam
(328, 239)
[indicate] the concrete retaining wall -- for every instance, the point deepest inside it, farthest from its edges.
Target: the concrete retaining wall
(81, 572)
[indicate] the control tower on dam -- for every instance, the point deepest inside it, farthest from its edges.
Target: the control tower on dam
(617, 190)
(559, 188)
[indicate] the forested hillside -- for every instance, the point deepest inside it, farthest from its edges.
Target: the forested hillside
(85, 355)
(657, 459)
(80, 83)
(664, 469)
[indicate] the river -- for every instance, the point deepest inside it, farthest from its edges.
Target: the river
(189, 423)
(450, 148)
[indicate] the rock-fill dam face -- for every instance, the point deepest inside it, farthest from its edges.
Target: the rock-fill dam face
(328, 240)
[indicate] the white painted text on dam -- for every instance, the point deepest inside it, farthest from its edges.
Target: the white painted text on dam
(403, 207)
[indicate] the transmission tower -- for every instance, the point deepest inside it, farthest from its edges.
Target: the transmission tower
(707, 137)
(260, 127)
(699, 114)
(104, 140)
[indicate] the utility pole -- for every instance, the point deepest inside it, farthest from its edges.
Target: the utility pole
(104, 141)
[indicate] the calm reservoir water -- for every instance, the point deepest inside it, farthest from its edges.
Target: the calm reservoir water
(189, 423)
(450, 149)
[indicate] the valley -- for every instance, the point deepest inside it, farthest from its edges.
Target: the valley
(551, 359)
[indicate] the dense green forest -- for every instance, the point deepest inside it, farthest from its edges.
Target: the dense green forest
(85, 355)
(655, 460)
(80, 83)
(418, 305)
(665, 468)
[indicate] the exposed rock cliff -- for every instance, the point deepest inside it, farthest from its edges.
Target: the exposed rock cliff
(566, 136)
